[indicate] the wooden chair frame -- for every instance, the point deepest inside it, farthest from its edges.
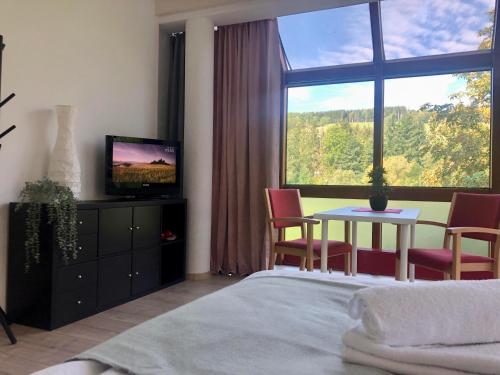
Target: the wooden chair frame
(306, 223)
(455, 234)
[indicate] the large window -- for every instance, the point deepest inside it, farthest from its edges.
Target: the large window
(437, 130)
(431, 27)
(417, 103)
(329, 134)
(327, 37)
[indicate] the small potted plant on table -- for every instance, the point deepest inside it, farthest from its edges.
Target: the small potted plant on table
(379, 189)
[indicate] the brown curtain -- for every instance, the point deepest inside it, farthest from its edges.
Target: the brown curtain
(247, 107)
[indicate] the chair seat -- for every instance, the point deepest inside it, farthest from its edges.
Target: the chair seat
(441, 259)
(334, 247)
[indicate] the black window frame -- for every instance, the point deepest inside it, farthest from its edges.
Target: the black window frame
(378, 71)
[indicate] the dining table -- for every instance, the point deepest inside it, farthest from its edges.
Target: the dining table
(406, 218)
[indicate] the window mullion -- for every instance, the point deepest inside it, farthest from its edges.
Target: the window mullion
(378, 108)
(495, 106)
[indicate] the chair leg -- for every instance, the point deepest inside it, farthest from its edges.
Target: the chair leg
(347, 264)
(272, 260)
(310, 263)
(455, 274)
(302, 263)
(397, 269)
(282, 258)
(446, 276)
(5, 324)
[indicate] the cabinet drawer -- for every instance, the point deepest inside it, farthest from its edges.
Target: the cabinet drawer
(87, 221)
(87, 249)
(76, 276)
(75, 305)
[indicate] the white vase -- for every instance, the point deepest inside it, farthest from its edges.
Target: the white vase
(64, 166)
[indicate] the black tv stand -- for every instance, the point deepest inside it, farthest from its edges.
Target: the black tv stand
(121, 257)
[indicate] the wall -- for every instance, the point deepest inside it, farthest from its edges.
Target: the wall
(99, 55)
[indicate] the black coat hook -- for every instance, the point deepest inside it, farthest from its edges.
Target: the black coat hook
(6, 100)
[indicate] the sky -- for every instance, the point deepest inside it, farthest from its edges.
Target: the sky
(410, 28)
(141, 153)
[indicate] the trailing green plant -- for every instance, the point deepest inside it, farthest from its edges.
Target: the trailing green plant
(380, 186)
(61, 214)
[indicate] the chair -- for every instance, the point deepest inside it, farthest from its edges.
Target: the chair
(475, 216)
(284, 210)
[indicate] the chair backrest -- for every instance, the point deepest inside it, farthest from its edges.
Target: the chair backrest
(284, 203)
(475, 210)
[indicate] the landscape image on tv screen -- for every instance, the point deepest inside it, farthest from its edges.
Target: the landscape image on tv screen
(142, 163)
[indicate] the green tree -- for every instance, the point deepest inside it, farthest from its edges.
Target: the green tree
(302, 155)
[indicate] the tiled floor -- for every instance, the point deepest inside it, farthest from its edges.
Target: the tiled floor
(37, 349)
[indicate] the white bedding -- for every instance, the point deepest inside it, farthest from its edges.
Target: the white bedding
(329, 361)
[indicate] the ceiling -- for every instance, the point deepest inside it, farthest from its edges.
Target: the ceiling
(173, 14)
(167, 7)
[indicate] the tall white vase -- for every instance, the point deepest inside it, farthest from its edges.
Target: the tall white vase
(64, 166)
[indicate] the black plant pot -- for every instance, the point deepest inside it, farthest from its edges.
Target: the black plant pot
(378, 202)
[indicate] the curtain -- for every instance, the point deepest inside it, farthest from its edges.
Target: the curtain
(173, 117)
(247, 107)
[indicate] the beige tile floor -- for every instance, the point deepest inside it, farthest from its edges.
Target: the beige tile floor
(37, 349)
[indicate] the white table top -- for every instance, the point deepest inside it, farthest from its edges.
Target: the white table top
(406, 216)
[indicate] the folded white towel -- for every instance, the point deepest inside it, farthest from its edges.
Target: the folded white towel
(444, 312)
(421, 360)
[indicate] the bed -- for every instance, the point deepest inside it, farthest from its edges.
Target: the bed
(272, 322)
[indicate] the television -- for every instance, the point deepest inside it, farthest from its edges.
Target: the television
(142, 167)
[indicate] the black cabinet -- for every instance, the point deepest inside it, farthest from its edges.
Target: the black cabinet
(145, 270)
(115, 230)
(121, 257)
(114, 279)
(146, 227)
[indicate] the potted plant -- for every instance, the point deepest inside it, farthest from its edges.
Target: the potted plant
(60, 203)
(379, 189)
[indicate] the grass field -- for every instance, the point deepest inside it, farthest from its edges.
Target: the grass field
(145, 173)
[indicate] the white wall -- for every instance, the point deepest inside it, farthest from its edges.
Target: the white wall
(99, 55)
(198, 141)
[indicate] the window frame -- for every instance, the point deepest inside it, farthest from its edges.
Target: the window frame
(378, 71)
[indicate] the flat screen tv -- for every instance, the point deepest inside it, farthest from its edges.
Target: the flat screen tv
(142, 167)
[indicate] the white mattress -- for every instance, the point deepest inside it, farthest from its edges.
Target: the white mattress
(86, 367)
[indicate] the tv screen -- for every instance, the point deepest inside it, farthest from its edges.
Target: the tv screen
(140, 166)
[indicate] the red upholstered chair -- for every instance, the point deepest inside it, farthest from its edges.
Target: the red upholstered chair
(284, 210)
(475, 216)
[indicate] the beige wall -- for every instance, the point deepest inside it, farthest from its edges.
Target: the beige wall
(99, 55)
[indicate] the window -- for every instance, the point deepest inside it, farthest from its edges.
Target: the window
(329, 134)
(327, 37)
(414, 28)
(438, 137)
(428, 121)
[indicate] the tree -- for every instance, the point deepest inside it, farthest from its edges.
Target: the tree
(302, 155)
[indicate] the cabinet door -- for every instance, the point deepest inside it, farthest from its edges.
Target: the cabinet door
(115, 230)
(114, 279)
(146, 226)
(145, 270)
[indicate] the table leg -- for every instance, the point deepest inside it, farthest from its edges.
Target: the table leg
(403, 265)
(354, 265)
(412, 245)
(324, 245)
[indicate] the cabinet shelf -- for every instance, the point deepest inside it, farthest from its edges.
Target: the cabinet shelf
(172, 242)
